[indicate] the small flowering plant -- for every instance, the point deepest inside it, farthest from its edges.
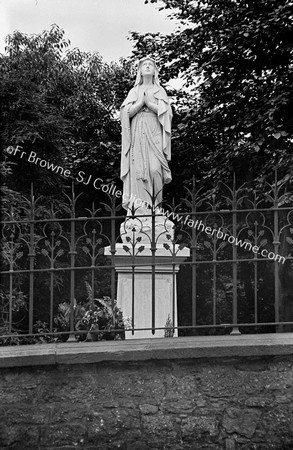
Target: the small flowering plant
(99, 317)
(91, 317)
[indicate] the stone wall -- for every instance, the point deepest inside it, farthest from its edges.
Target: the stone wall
(222, 403)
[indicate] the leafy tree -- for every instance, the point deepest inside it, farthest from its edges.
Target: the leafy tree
(235, 111)
(62, 104)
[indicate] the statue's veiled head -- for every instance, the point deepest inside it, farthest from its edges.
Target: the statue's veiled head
(141, 70)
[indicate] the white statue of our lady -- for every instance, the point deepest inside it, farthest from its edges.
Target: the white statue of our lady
(146, 140)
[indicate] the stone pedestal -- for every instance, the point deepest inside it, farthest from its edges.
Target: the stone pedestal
(133, 263)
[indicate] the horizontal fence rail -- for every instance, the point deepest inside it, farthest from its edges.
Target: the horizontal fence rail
(57, 282)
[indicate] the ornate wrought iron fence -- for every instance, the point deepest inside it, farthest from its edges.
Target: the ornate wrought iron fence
(49, 255)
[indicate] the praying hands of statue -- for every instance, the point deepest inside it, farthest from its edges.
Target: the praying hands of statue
(138, 105)
(151, 105)
(143, 99)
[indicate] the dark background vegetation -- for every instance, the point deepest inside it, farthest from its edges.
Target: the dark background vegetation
(233, 114)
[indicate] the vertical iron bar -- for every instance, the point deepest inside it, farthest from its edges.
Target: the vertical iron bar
(93, 267)
(193, 255)
(10, 297)
(132, 295)
(255, 291)
(214, 293)
(72, 254)
(214, 280)
(173, 290)
(52, 281)
(51, 300)
(31, 278)
(235, 329)
(133, 274)
(276, 244)
(113, 251)
(255, 276)
(153, 250)
(234, 250)
(31, 256)
(11, 264)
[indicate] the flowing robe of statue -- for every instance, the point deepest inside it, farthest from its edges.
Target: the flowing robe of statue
(146, 148)
(146, 292)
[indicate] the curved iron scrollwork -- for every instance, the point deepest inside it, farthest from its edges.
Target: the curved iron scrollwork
(49, 251)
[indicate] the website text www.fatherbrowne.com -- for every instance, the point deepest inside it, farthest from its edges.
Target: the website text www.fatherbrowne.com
(220, 234)
(110, 188)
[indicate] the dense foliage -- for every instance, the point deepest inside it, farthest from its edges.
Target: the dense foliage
(62, 104)
(235, 111)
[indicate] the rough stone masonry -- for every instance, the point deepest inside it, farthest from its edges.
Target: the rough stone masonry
(222, 403)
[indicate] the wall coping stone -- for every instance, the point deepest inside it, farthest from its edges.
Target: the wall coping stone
(147, 349)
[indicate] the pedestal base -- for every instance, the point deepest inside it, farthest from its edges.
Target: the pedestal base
(143, 303)
(135, 287)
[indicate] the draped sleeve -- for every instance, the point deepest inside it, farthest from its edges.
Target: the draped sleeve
(165, 119)
(126, 133)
